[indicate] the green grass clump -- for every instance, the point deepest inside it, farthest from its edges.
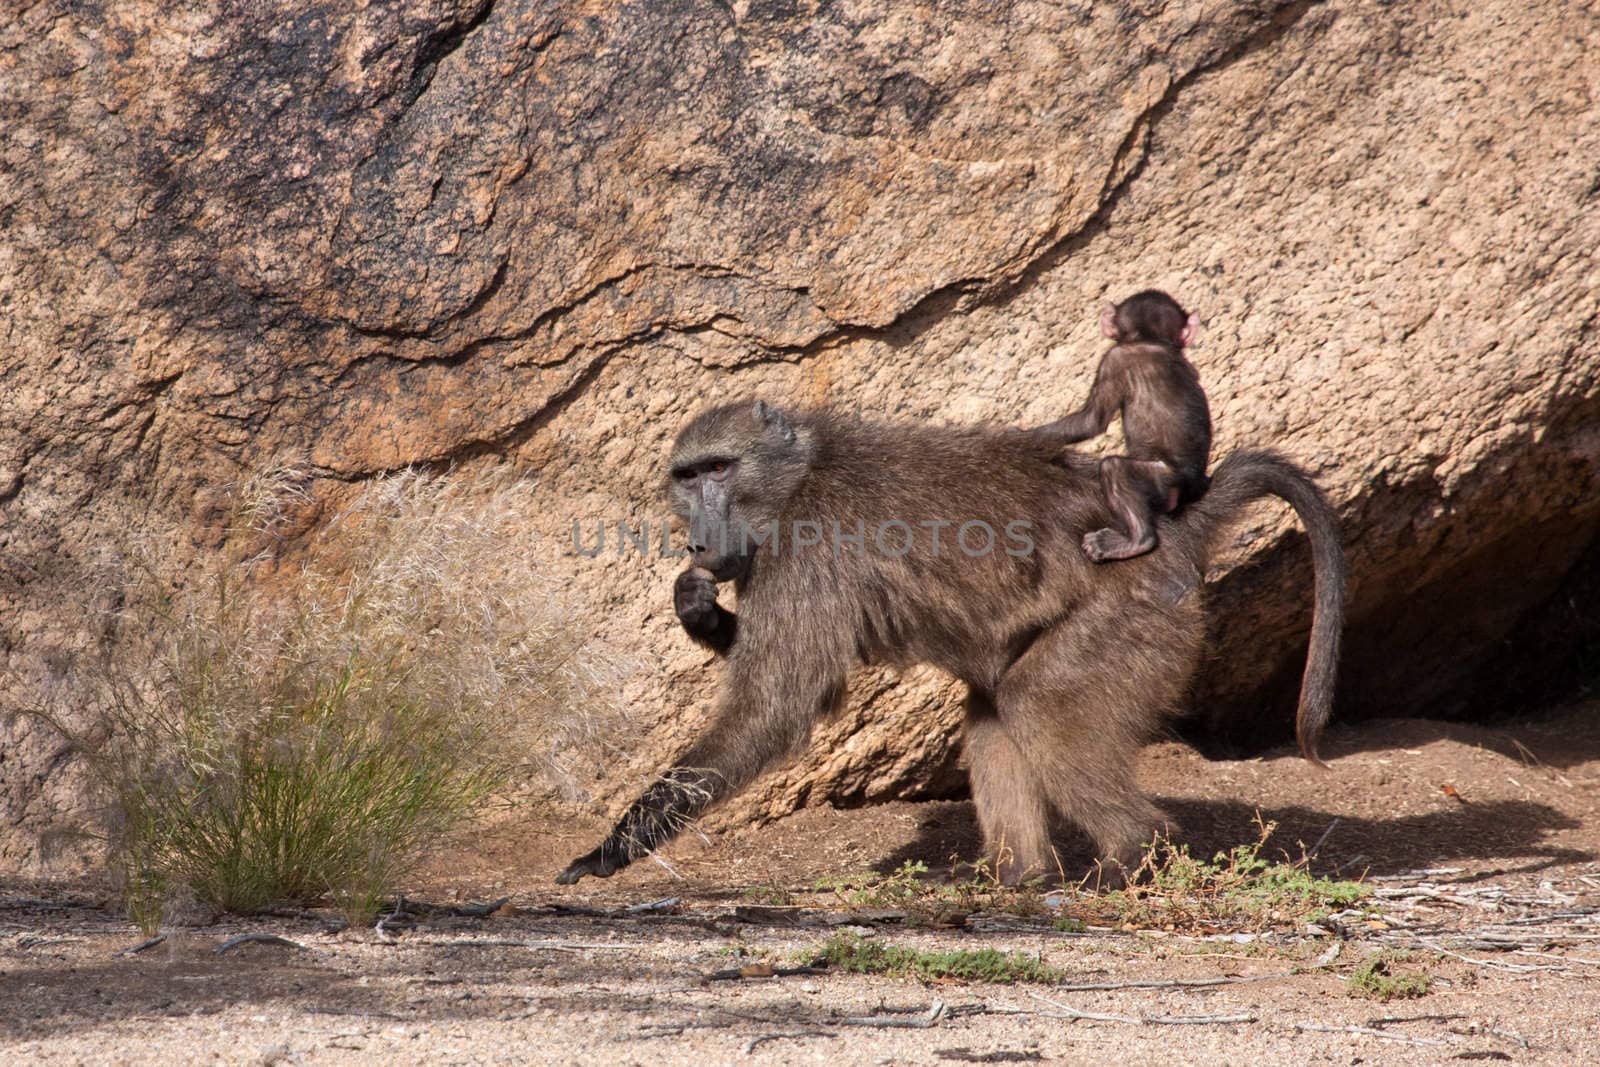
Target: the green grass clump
(931, 900)
(320, 799)
(900, 889)
(1236, 888)
(272, 726)
(860, 955)
(1376, 979)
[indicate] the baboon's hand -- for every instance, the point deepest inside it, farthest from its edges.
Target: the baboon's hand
(694, 598)
(597, 863)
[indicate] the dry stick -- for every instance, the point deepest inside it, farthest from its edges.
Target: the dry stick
(1313, 853)
(479, 911)
(1537, 955)
(925, 1022)
(666, 866)
(1066, 1012)
(654, 905)
(1518, 968)
(757, 1042)
(263, 939)
(1173, 983)
(1404, 892)
(1368, 1031)
(141, 946)
(558, 946)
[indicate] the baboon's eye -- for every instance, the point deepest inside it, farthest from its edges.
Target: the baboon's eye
(683, 474)
(718, 469)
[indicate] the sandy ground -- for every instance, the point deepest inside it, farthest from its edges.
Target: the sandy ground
(1484, 845)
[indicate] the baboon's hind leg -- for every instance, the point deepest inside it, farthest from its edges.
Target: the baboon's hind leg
(1081, 708)
(1012, 810)
(1136, 490)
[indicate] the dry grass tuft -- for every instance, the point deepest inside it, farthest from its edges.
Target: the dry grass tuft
(274, 728)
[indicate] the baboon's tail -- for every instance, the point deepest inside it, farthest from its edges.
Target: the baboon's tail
(1246, 476)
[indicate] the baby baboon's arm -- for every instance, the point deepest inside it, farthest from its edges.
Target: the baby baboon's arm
(1105, 400)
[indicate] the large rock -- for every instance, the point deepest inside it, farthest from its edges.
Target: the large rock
(451, 232)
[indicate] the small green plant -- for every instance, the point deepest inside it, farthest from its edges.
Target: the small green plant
(1068, 925)
(769, 895)
(268, 729)
(903, 887)
(1377, 979)
(860, 955)
(1236, 888)
(928, 900)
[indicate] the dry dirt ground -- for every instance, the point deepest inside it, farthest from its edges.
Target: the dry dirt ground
(1482, 845)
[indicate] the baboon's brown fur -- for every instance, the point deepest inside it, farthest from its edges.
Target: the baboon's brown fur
(1069, 666)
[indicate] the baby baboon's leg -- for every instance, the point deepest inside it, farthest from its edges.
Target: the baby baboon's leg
(1012, 811)
(1135, 489)
(1080, 703)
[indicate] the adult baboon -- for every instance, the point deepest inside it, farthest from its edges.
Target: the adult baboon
(831, 529)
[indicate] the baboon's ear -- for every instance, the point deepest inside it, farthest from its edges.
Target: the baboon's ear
(1108, 321)
(771, 416)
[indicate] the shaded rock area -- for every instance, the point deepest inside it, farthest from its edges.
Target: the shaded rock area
(543, 234)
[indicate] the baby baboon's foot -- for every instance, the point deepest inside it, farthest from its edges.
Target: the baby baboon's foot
(1105, 545)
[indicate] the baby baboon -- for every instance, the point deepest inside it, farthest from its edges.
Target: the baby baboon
(1068, 666)
(1165, 421)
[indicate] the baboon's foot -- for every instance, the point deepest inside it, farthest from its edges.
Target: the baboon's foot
(600, 863)
(1102, 546)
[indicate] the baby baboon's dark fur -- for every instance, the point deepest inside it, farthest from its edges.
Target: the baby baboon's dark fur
(1166, 423)
(1069, 666)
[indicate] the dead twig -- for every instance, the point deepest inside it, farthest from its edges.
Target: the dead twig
(555, 946)
(1367, 1031)
(664, 865)
(924, 1022)
(479, 911)
(1171, 983)
(1516, 968)
(1064, 1011)
(664, 904)
(758, 970)
(757, 1042)
(1313, 853)
(260, 939)
(142, 946)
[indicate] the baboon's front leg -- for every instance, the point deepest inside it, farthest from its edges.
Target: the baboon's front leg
(652, 820)
(766, 709)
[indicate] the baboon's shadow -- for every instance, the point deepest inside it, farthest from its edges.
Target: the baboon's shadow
(1513, 832)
